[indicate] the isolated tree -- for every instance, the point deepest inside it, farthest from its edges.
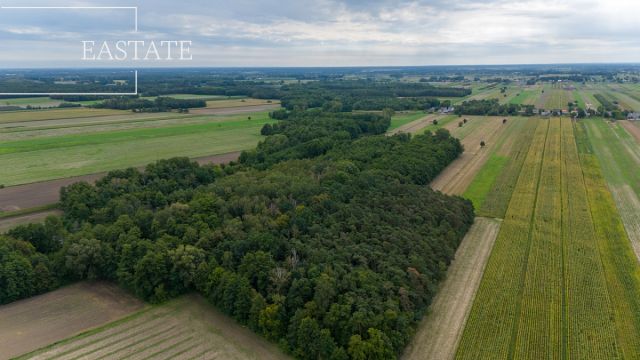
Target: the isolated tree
(504, 121)
(482, 143)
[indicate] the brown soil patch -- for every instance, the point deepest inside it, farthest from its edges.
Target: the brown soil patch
(440, 331)
(48, 192)
(29, 324)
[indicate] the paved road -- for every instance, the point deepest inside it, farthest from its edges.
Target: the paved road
(48, 192)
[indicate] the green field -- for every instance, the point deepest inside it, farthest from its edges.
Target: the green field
(405, 118)
(51, 157)
(619, 154)
(492, 187)
(31, 101)
(524, 97)
(562, 280)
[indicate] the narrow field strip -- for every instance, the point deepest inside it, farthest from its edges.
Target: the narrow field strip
(489, 329)
(589, 331)
(40, 115)
(440, 331)
(458, 175)
(619, 156)
(620, 264)
(540, 318)
(492, 187)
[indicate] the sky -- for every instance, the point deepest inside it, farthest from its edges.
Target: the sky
(242, 33)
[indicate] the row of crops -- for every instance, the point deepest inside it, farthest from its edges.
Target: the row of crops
(562, 280)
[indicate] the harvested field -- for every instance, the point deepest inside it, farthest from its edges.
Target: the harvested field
(27, 325)
(439, 332)
(456, 177)
(39, 115)
(48, 192)
(186, 328)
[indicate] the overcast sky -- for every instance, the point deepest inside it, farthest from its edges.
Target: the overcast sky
(332, 33)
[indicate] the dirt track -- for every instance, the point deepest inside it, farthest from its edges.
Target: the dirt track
(235, 110)
(440, 331)
(458, 175)
(29, 324)
(48, 192)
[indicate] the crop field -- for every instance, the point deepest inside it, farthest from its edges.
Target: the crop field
(622, 97)
(185, 328)
(456, 177)
(492, 187)
(440, 331)
(524, 97)
(29, 324)
(619, 154)
(67, 148)
(401, 119)
(424, 123)
(555, 99)
(563, 291)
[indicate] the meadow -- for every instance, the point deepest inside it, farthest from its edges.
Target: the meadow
(71, 154)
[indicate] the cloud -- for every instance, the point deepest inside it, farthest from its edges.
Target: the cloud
(357, 32)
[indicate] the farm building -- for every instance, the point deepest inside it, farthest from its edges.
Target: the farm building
(633, 116)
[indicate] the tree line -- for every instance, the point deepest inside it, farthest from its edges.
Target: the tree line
(159, 104)
(492, 107)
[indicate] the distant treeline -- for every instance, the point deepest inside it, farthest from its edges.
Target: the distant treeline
(325, 239)
(345, 96)
(145, 105)
(492, 107)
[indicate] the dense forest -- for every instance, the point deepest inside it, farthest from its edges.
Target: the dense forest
(325, 239)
